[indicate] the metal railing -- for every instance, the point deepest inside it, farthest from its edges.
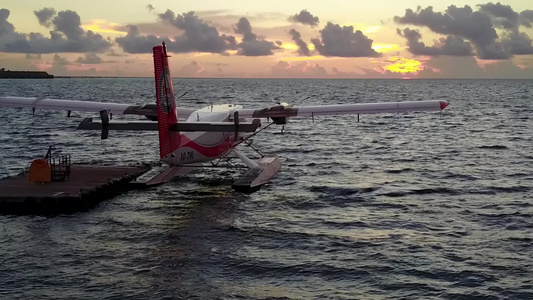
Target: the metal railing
(59, 165)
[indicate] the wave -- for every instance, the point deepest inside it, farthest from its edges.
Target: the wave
(494, 147)
(426, 191)
(348, 224)
(341, 191)
(398, 171)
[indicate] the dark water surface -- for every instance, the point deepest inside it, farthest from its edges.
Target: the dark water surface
(414, 206)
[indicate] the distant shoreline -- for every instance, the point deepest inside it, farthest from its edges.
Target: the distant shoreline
(24, 74)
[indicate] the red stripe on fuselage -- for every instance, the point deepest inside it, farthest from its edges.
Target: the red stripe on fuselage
(220, 149)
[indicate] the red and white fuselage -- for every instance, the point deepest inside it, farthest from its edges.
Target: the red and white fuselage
(197, 146)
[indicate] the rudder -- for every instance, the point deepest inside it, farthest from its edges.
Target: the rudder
(166, 103)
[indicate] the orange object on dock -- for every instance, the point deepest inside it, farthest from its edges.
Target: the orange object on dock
(40, 171)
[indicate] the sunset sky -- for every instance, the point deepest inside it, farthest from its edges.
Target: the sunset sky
(281, 39)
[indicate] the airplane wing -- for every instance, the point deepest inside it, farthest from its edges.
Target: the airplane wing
(285, 111)
(106, 109)
(148, 110)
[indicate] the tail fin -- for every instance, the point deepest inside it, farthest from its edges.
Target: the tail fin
(166, 104)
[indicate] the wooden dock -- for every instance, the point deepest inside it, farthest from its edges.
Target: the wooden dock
(87, 186)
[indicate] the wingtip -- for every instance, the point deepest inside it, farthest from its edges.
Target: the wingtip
(443, 104)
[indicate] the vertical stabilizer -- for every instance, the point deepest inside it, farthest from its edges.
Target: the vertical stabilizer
(165, 100)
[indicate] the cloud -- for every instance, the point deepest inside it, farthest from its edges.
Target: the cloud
(69, 23)
(451, 45)
(507, 69)
(298, 70)
(33, 56)
(478, 27)
(342, 74)
(5, 26)
(452, 67)
(90, 58)
(154, 28)
(302, 46)
(251, 44)
(447, 67)
(113, 53)
(344, 42)
(59, 65)
(150, 7)
(8, 35)
(62, 66)
(462, 22)
(502, 15)
(526, 18)
(66, 36)
(380, 72)
(60, 61)
(305, 18)
(17, 62)
(45, 16)
(198, 36)
(134, 42)
(194, 69)
(518, 43)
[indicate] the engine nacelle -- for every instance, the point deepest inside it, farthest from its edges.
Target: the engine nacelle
(280, 107)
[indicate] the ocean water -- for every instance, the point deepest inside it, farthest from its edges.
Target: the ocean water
(409, 206)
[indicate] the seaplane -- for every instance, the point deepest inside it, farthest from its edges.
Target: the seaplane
(189, 138)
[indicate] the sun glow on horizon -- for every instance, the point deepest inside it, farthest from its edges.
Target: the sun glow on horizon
(404, 65)
(289, 46)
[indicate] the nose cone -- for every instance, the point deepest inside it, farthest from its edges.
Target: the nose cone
(443, 104)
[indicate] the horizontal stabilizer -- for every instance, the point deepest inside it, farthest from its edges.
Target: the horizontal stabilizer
(89, 124)
(217, 126)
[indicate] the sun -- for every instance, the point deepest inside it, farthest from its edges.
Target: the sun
(404, 65)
